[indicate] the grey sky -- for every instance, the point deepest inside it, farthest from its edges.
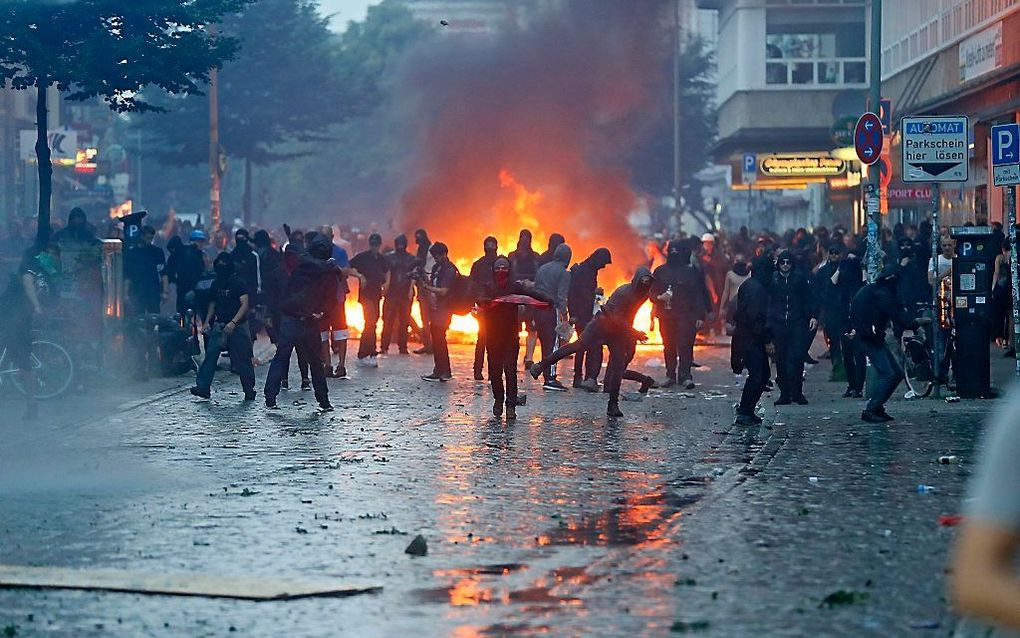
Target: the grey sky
(345, 10)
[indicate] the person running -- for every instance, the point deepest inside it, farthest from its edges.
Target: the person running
(373, 272)
(310, 292)
(613, 327)
(441, 279)
(682, 302)
(791, 320)
(226, 323)
(581, 303)
(481, 277)
(553, 280)
(498, 311)
(873, 308)
(751, 338)
(399, 297)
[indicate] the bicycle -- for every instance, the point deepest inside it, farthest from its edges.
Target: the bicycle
(53, 367)
(918, 371)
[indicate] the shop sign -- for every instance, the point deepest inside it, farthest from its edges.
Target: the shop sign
(801, 166)
(981, 53)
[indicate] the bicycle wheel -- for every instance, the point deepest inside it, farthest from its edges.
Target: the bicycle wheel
(54, 370)
(917, 369)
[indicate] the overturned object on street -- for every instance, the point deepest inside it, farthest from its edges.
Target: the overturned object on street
(175, 584)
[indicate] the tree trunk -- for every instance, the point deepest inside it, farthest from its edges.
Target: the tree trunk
(246, 198)
(42, 152)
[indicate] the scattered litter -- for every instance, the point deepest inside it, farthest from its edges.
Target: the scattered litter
(300, 530)
(826, 418)
(950, 520)
(686, 582)
(248, 492)
(713, 395)
(687, 395)
(953, 399)
(812, 479)
(844, 597)
(948, 460)
(681, 627)
(925, 624)
(887, 533)
(925, 489)
(418, 547)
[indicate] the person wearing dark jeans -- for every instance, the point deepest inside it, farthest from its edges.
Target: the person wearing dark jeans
(481, 276)
(791, 320)
(226, 323)
(855, 361)
(399, 297)
(751, 337)
(581, 307)
(442, 278)
(373, 272)
(312, 288)
(552, 280)
(872, 310)
(682, 302)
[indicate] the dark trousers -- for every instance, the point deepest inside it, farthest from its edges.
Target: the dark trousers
(238, 348)
(621, 352)
(366, 346)
(855, 362)
(587, 363)
(426, 319)
(302, 335)
(836, 325)
(887, 371)
(545, 324)
(678, 335)
(481, 347)
(756, 360)
(439, 322)
(396, 319)
(502, 350)
(790, 340)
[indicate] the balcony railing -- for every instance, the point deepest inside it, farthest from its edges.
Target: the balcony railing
(816, 72)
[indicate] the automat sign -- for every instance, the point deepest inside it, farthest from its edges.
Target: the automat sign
(935, 149)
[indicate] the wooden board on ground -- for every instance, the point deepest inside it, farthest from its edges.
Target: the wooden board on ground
(175, 584)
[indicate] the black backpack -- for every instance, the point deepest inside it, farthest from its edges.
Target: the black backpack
(461, 296)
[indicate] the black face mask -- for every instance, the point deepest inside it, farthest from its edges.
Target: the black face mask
(223, 269)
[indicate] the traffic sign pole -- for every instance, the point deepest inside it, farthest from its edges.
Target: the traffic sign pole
(936, 196)
(874, 178)
(1014, 275)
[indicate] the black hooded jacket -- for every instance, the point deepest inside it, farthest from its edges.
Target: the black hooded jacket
(790, 300)
(626, 300)
(312, 287)
(874, 307)
(751, 318)
(584, 281)
(524, 261)
(691, 299)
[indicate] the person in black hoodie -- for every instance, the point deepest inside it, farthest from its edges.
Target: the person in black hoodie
(613, 327)
(835, 284)
(311, 286)
(682, 302)
(500, 320)
(584, 284)
(397, 303)
(751, 337)
(555, 240)
(872, 310)
(184, 267)
(524, 260)
(791, 320)
(424, 263)
(481, 276)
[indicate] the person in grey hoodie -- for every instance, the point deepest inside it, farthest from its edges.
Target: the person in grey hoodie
(553, 281)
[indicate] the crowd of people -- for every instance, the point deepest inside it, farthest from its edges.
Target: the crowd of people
(772, 293)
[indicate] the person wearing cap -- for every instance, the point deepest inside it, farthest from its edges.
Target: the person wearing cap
(873, 308)
(373, 273)
(835, 283)
(791, 320)
(399, 297)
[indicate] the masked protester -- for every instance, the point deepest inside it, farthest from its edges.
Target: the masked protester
(482, 276)
(553, 281)
(184, 268)
(77, 230)
(24, 302)
(226, 322)
(555, 240)
(499, 317)
(310, 292)
(682, 302)
(291, 258)
(751, 337)
(525, 266)
(443, 275)
(373, 272)
(145, 283)
(836, 282)
(613, 327)
(398, 298)
(581, 307)
(791, 320)
(246, 264)
(872, 310)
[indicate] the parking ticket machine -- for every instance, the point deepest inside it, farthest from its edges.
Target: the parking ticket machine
(973, 266)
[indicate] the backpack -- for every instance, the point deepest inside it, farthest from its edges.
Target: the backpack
(461, 296)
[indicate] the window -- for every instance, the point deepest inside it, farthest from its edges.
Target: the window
(801, 50)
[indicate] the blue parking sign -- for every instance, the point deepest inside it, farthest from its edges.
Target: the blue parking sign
(1005, 144)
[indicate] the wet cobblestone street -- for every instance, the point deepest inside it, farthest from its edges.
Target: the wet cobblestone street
(564, 523)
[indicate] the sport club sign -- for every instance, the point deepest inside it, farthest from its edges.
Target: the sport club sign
(783, 166)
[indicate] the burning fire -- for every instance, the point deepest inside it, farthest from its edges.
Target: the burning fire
(518, 207)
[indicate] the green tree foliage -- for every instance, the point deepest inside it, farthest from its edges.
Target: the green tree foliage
(110, 49)
(653, 161)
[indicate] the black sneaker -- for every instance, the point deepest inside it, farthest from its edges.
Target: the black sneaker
(554, 385)
(880, 411)
(848, 394)
(871, 417)
(200, 393)
(271, 404)
(534, 370)
(326, 406)
(613, 411)
(857, 394)
(306, 384)
(783, 401)
(479, 377)
(434, 378)
(747, 420)
(249, 396)
(689, 385)
(511, 412)
(578, 383)
(801, 400)
(497, 408)
(423, 351)
(647, 385)
(444, 378)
